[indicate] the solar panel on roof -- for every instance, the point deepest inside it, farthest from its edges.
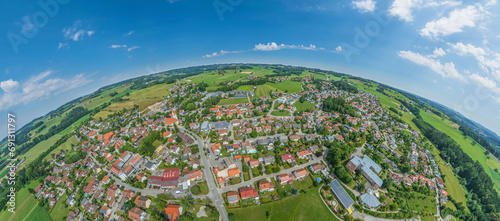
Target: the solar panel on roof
(341, 194)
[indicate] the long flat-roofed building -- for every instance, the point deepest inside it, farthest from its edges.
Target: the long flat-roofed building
(169, 179)
(344, 199)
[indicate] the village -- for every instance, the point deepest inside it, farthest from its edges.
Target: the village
(241, 155)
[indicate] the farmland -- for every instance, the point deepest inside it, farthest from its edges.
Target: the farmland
(25, 202)
(233, 101)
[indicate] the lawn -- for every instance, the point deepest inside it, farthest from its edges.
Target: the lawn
(281, 113)
(203, 187)
(263, 90)
(25, 202)
(60, 211)
(301, 207)
(301, 107)
(233, 101)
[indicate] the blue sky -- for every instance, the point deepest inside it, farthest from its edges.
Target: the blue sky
(447, 51)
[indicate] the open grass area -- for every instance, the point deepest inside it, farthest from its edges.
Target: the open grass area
(25, 202)
(40, 214)
(452, 185)
(246, 88)
(290, 86)
(41, 147)
(301, 107)
(59, 211)
(280, 113)
(233, 101)
(306, 206)
(143, 98)
(213, 78)
(66, 146)
(263, 90)
(476, 152)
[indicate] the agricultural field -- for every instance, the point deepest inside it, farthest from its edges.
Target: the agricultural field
(476, 152)
(246, 88)
(290, 86)
(40, 214)
(213, 79)
(66, 146)
(306, 206)
(143, 98)
(452, 185)
(25, 202)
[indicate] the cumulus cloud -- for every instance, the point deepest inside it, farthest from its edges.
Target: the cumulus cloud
(338, 49)
(403, 9)
(455, 22)
(438, 52)
(274, 47)
(36, 87)
(75, 32)
(488, 60)
(9, 86)
(446, 70)
(364, 5)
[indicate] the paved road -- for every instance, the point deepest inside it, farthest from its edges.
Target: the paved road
(251, 181)
(214, 193)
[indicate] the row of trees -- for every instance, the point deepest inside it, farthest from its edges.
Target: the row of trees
(484, 200)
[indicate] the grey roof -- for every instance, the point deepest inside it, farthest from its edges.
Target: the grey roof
(220, 124)
(369, 199)
(341, 194)
(368, 166)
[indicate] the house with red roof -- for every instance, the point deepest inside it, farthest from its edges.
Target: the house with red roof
(249, 192)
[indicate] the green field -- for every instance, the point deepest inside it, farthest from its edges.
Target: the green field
(290, 86)
(476, 152)
(40, 214)
(246, 88)
(59, 211)
(452, 184)
(301, 107)
(301, 207)
(143, 98)
(25, 202)
(66, 146)
(233, 101)
(213, 79)
(280, 113)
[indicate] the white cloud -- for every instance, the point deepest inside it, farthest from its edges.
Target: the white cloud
(403, 9)
(129, 33)
(488, 60)
(484, 82)
(454, 22)
(220, 53)
(446, 70)
(9, 86)
(274, 47)
(338, 49)
(491, 3)
(62, 45)
(118, 46)
(364, 5)
(76, 33)
(133, 48)
(438, 52)
(36, 87)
